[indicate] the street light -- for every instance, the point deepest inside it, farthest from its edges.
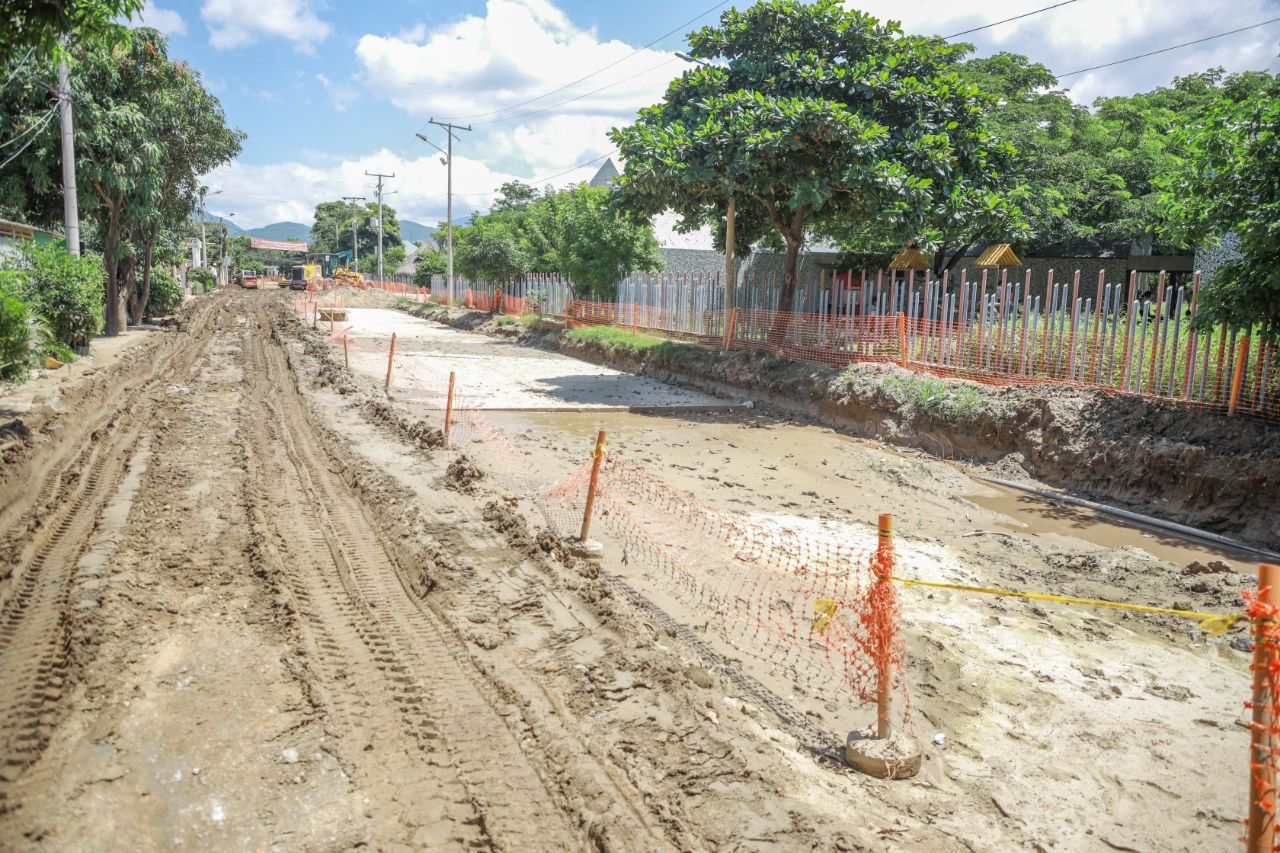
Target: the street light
(449, 128)
(729, 272)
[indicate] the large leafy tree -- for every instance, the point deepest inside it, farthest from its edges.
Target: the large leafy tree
(1228, 182)
(145, 130)
(813, 110)
(575, 231)
(331, 231)
(32, 28)
(189, 125)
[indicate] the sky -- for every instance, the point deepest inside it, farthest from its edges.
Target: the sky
(330, 89)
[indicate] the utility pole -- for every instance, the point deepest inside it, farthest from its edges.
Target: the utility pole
(380, 176)
(355, 224)
(449, 128)
(70, 205)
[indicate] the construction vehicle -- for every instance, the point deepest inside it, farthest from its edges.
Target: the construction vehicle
(249, 279)
(300, 275)
(346, 276)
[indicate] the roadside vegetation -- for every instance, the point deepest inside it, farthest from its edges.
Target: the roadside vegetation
(146, 131)
(52, 304)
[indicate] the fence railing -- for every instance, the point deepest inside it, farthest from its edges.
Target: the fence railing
(1117, 337)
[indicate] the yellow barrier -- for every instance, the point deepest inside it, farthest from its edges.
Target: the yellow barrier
(1212, 624)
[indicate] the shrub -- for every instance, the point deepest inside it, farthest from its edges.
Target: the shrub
(15, 337)
(65, 291)
(201, 279)
(166, 293)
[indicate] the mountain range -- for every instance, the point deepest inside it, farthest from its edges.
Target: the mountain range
(411, 231)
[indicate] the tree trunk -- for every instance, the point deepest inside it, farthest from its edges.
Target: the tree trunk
(127, 266)
(787, 298)
(111, 310)
(145, 298)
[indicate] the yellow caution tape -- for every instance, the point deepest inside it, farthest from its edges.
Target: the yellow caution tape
(1213, 624)
(600, 452)
(826, 610)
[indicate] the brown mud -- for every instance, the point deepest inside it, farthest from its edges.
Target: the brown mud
(1195, 468)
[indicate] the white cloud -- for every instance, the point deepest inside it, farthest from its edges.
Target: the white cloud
(1093, 32)
(260, 195)
(235, 23)
(519, 50)
(166, 21)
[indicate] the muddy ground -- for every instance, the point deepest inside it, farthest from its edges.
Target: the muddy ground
(249, 601)
(1195, 468)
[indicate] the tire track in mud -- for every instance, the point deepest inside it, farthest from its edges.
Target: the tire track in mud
(41, 629)
(382, 658)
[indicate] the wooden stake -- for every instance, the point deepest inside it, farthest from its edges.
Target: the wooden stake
(448, 409)
(902, 338)
(346, 359)
(596, 458)
(1237, 374)
(884, 666)
(390, 355)
(728, 333)
(1262, 779)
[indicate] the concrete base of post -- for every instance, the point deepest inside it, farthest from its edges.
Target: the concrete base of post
(895, 757)
(590, 549)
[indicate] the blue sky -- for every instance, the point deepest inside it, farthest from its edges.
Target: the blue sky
(327, 90)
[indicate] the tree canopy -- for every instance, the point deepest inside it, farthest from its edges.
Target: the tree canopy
(146, 130)
(33, 27)
(574, 231)
(331, 232)
(1227, 182)
(812, 110)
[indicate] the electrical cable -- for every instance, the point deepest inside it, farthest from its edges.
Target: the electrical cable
(1167, 49)
(14, 156)
(593, 73)
(30, 127)
(1014, 18)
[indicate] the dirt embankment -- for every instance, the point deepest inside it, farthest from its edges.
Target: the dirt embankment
(1194, 468)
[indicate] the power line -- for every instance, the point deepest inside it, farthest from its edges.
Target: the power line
(14, 156)
(1014, 18)
(601, 68)
(32, 126)
(500, 119)
(1167, 49)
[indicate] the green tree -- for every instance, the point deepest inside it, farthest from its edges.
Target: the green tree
(487, 251)
(1228, 182)
(595, 245)
(331, 231)
(426, 263)
(33, 27)
(815, 110)
(137, 156)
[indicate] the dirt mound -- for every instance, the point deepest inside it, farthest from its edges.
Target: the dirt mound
(462, 475)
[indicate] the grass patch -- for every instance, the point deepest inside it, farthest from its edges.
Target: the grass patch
(530, 319)
(505, 320)
(615, 339)
(936, 396)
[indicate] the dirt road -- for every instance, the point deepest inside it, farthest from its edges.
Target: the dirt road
(222, 629)
(248, 602)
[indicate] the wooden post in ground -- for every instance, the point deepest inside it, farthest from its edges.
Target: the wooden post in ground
(902, 338)
(1237, 374)
(596, 458)
(728, 333)
(448, 409)
(1262, 778)
(391, 354)
(884, 666)
(346, 359)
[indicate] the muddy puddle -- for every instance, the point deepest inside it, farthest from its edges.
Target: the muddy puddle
(758, 464)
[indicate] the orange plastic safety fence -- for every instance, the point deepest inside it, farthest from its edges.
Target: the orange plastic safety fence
(1265, 767)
